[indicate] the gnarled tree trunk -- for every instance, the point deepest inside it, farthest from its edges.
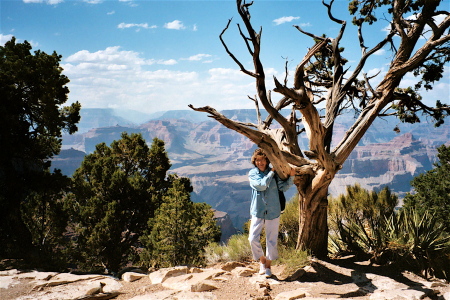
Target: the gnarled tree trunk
(321, 78)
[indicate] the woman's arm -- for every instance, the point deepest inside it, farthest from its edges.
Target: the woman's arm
(284, 185)
(258, 181)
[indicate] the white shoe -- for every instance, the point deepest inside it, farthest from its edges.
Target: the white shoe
(262, 269)
(268, 272)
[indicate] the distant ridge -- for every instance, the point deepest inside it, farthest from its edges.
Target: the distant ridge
(188, 115)
(100, 117)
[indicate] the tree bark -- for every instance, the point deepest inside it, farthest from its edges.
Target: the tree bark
(313, 226)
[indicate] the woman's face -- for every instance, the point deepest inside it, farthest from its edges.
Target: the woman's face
(261, 162)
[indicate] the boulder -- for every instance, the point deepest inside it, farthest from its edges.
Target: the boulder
(397, 294)
(178, 295)
(446, 296)
(163, 274)
(228, 266)
(291, 295)
(243, 271)
(194, 282)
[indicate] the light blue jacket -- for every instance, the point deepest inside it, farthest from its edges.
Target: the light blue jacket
(265, 200)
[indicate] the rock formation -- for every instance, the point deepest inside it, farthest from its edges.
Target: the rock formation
(216, 159)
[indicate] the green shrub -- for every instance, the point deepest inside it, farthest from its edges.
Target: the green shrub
(356, 220)
(237, 249)
(419, 241)
(293, 259)
(289, 223)
(413, 240)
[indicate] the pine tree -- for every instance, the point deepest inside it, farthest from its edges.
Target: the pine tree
(115, 192)
(181, 229)
(32, 118)
(432, 189)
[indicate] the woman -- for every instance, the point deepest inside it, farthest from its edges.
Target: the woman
(265, 209)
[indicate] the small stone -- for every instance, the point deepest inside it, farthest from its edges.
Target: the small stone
(131, 276)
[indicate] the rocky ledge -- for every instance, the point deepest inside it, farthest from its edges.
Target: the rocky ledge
(231, 281)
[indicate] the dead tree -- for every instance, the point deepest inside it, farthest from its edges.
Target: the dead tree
(414, 51)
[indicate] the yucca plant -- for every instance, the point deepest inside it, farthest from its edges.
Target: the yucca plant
(357, 220)
(420, 242)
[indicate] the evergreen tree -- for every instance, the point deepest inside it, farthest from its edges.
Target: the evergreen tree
(115, 192)
(432, 189)
(32, 118)
(181, 229)
(46, 218)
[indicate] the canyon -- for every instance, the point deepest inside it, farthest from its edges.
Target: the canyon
(217, 159)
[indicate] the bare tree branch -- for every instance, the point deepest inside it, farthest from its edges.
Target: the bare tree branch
(232, 55)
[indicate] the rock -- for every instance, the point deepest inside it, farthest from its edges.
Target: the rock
(203, 286)
(243, 271)
(291, 295)
(228, 266)
(194, 281)
(359, 278)
(446, 296)
(130, 269)
(51, 285)
(297, 274)
(176, 295)
(226, 225)
(195, 270)
(264, 289)
(162, 295)
(9, 272)
(161, 275)
(397, 294)
(96, 290)
(132, 276)
(258, 279)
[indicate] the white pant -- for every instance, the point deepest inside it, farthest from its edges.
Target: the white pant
(254, 237)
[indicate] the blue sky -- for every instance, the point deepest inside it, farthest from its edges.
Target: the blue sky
(155, 56)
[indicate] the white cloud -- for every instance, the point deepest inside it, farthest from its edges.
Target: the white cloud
(5, 38)
(177, 25)
(168, 62)
(50, 2)
(440, 91)
(93, 1)
(131, 25)
(8, 37)
(111, 12)
(282, 20)
(113, 77)
(380, 52)
(305, 24)
(427, 29)
(198, 57)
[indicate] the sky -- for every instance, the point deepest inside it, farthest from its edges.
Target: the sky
(153, 56)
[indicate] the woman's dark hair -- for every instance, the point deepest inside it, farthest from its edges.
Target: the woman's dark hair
(259, 152)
